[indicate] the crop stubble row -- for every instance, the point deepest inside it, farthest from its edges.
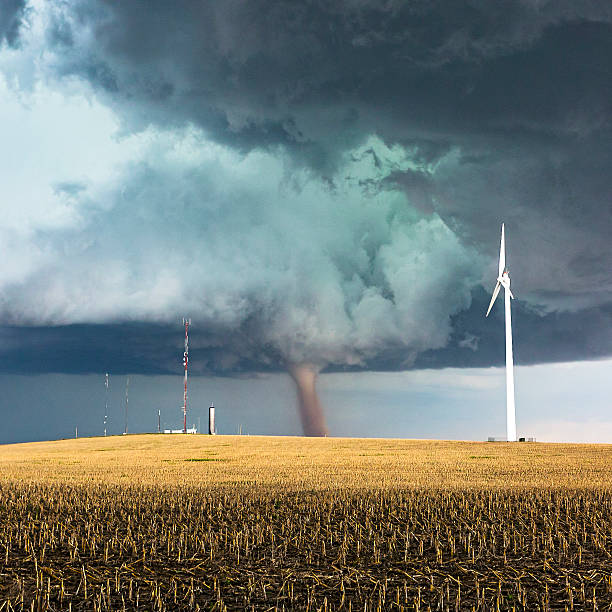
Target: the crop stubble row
(108, 547)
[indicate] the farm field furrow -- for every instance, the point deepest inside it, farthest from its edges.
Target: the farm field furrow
(290, 523)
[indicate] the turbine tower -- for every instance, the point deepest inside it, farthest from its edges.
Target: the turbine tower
(503, 280)
(187, 323)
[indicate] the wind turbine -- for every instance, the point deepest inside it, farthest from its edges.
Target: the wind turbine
(503, 280)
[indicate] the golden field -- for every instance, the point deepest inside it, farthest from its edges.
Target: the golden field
(306, 463)
(171, 522)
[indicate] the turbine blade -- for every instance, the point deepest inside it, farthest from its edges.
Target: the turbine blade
(502, 253)
(510, 292)
(495, 292)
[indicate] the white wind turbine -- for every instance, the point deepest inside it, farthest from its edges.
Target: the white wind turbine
(503, 279)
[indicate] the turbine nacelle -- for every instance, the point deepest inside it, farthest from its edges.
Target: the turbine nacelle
(503, 279)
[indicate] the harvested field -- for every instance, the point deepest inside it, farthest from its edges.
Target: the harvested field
(193, 522)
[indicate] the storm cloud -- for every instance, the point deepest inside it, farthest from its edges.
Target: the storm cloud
(10, 20)
(310, 182)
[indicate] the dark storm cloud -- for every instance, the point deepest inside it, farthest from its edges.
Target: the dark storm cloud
(502, 111)
(11, 15)
(136, 348)
(477, 341)
(521, 92)
(255, 73)
(122, 349)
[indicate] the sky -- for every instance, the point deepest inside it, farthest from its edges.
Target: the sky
(311, 183)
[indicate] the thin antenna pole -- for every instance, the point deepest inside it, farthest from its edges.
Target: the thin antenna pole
(127, 402)
(105, 402)
(187, 323)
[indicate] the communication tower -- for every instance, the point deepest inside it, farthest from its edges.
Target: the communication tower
(105, 402)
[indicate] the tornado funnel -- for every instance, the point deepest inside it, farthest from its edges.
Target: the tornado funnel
(311, 412)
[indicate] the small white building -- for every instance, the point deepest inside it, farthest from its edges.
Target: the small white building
(190, 430)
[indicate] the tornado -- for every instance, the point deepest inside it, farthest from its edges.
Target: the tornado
(311, 412)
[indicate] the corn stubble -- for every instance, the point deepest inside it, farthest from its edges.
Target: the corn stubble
(455, 545)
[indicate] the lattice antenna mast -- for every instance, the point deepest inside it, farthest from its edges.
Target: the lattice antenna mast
(105, 402)
(187, 323)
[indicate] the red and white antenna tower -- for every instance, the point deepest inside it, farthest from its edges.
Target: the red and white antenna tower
(105, 402)
(187, 323)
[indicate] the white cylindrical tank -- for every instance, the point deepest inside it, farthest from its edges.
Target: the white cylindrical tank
(211, 420)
